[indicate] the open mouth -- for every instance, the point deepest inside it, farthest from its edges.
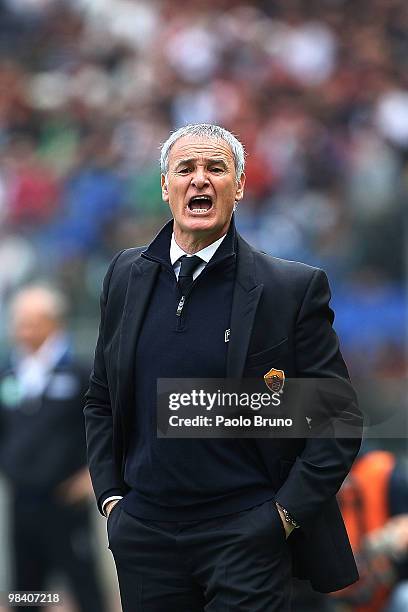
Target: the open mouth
(200, 204)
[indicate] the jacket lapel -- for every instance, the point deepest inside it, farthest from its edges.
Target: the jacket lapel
(245, 299)
(142, 277)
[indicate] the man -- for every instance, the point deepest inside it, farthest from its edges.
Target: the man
(212, 524)
(43, 451)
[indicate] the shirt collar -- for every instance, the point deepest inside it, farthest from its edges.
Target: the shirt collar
(48, 355)
(205, 254)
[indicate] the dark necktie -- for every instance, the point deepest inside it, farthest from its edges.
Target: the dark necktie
(188, 265)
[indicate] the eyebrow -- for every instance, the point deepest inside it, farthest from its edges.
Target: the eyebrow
(207, 161)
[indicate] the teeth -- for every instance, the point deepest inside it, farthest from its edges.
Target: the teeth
(195, 206)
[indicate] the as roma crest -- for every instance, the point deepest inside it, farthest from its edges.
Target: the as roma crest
(275, 380)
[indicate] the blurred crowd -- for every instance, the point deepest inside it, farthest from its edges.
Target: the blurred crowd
(316, 89)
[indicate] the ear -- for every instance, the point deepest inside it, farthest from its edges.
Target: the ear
(239, 194)
(165, 193)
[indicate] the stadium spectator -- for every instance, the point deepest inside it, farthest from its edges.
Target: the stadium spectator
(43, 452)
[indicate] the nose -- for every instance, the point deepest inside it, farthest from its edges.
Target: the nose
(199, 178)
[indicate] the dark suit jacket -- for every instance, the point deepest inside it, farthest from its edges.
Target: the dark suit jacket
(280, 318)
(42, 440)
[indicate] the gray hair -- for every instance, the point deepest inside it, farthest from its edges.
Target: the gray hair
(206, 130)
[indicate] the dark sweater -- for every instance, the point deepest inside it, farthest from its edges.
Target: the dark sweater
(188, 479)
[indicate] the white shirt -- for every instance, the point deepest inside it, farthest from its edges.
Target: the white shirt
(33, 369)
(175, 253)
(205, 254)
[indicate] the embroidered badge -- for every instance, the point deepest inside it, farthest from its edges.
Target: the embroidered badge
(275, 380)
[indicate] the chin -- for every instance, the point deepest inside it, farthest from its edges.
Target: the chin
(203, 225)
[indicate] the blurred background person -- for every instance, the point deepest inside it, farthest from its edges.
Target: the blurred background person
(374, 504)
(42, 452)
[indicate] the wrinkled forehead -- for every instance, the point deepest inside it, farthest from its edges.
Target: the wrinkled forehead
(200, 148)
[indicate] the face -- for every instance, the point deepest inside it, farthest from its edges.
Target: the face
(31, 324)
(201, 187)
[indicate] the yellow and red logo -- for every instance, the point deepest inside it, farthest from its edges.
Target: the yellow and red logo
(275, 380)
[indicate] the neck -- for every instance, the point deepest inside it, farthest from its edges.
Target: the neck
(192, 242)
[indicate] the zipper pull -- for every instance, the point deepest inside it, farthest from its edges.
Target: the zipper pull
(180, 306)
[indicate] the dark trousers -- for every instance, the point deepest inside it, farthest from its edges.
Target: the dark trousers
(48, 538)
(235, 563)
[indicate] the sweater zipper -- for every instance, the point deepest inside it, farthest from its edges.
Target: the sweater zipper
(182, 301)
(180, 306)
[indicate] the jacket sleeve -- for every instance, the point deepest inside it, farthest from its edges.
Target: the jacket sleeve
(105, 475)
(320, 469)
